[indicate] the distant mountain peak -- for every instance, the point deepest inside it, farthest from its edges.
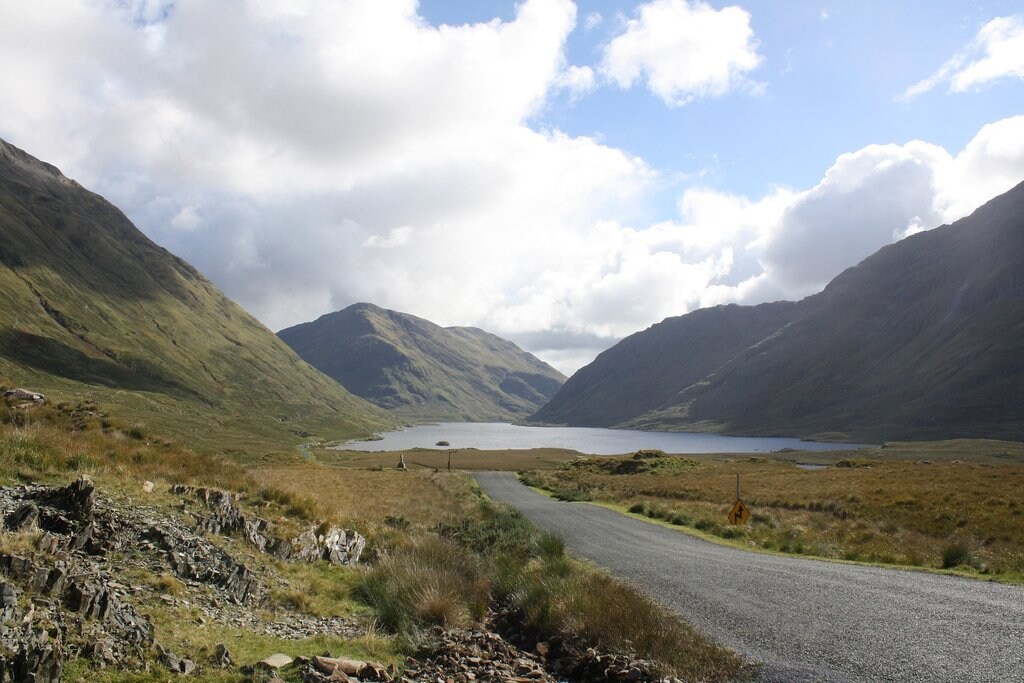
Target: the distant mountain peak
(420, 370)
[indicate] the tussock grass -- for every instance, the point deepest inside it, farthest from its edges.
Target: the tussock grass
(939, 512)
(430, 581)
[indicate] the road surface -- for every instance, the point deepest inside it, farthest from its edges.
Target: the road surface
(804, 620)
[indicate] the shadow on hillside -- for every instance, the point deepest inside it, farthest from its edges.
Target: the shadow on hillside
(57, 358)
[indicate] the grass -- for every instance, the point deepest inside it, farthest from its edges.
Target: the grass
(438, 552)
(499, 558)
(461, 458)
(369, 498)
(889, 505)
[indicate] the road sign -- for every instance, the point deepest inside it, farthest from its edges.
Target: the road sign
(739, 513)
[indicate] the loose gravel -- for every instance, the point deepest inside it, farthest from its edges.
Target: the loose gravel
(804, 620)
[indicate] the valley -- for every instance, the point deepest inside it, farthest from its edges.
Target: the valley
(175, 501)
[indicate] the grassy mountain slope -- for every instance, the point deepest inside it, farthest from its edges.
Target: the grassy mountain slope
(648, 368)
(89, 305)
(422, 371)
(924, 339)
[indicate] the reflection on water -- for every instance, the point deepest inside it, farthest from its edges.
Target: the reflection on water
(592, 440)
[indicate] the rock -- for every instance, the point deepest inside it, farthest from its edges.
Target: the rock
(148, 486)
(48, 543)
(25, 518)
(169, 659)
(465, 654)
(276, 661)
(8, 601)
(337, 546)
(79, 497)
(226, 517)
(195, 558)
(39, 659)
(328, 665)
(221, 656)
(24, 396)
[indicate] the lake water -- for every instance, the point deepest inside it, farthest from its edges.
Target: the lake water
(592, 440)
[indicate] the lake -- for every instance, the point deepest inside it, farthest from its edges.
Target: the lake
(592, 440)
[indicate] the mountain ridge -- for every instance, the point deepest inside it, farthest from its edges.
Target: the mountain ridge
(91, 306)
(919, 340)
(422, 371)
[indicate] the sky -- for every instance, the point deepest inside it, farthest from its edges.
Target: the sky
(561, 174)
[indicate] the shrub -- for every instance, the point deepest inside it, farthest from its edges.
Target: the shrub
(956, 555)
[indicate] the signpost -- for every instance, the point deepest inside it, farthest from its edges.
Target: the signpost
(739, 513)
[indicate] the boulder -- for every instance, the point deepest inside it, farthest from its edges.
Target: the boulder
(276, 661)
(221, 656)
(25, 518)
(336, 545)
(24, 396)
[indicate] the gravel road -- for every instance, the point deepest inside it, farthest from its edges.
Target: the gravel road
(805, 620)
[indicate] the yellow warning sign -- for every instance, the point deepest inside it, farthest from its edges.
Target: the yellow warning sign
(739, 513)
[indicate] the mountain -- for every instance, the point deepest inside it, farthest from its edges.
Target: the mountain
(90, 307)
(421, 371)
(923, 339)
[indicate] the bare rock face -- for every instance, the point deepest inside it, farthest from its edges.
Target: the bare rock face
(336, 545)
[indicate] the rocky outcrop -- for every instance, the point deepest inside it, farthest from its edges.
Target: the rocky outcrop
(60, 598)
(331, 544)
(226, 518)
(76, 607)
(196, 559)
(335, 545)
(24, 397)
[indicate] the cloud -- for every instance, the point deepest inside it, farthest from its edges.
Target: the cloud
(996, 53)
(684, 51)
(578, 80)
(309, 155)
(797, 241)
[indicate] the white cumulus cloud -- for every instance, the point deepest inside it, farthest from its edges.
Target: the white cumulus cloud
(997, 52)
(684, 51)
(312, 154)
(795, 242)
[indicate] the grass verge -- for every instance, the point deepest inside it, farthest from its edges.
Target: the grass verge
(939, 513)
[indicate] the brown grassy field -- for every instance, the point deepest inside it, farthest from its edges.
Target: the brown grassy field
(957, 508)
(361, 496)
(469, 459)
